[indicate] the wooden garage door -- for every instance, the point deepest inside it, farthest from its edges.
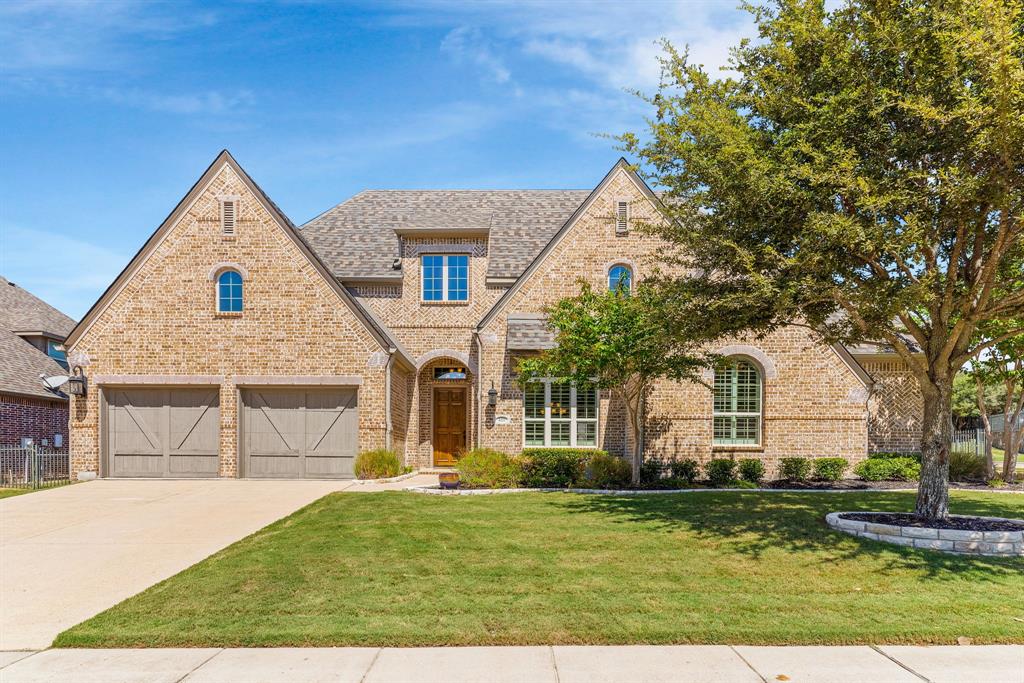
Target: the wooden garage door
(157, 432)
(300, 433)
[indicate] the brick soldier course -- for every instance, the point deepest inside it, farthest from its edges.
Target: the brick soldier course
(339, 302)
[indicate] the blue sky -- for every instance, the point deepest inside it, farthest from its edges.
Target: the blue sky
(109, 111)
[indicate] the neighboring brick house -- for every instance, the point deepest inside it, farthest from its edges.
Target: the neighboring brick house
(235, 344)
(31, 336)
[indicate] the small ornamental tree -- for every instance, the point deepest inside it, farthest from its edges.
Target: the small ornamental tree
(861, 174)
(615, 341)
(1001, 370)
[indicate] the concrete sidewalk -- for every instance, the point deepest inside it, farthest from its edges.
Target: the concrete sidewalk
(621, 664)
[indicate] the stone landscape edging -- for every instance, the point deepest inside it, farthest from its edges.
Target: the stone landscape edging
(388, 480)
(953, 541)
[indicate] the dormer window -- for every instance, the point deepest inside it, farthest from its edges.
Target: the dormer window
(55, 350)
(445, 277)
(621, 217)
(228, 215)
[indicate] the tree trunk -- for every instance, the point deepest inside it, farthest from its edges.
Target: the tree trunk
(936, 434)
(633, 398)
(1012, 435)
(990, 466)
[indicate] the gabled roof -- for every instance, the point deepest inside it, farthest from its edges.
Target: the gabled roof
(21, 363)
(620, 165)
(383, 337)
(358, 239)
(21, 311)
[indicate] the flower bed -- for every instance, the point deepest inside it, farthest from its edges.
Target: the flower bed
(990, 536)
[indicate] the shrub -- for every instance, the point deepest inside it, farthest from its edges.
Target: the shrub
(488, 468)
(378, 464)
(721, 471)
(651, 471)
(883, 469)
(965, 466)
(686, 470)
(752, 470)
(795, 469)
(892, 455)
(830, 469)
(553, 467)
(604, 471)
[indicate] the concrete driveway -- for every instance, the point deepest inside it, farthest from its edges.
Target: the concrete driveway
(67, 554)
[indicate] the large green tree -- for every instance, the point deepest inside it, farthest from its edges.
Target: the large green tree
(616, 340)
(861, 174)
(999, 373)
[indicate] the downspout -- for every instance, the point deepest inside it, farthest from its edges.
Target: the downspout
(479, 386)
(387, 398)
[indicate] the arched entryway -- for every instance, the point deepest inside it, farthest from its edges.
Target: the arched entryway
(446, 409)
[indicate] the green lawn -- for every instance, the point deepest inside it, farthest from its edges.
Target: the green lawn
(997, 460)
(7, 493)
(406, 569)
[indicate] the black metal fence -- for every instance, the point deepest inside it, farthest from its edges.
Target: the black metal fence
(34, 467)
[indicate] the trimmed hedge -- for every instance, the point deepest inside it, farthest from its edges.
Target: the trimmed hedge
(888, 469)
(558, 468)
(604, 471)
(686, 470)
(377, 464)
(830, 469)
(795, 469)
(721, 471)
(489, 469)
(752, 470)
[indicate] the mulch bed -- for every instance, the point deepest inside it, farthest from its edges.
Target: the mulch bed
(958, 523)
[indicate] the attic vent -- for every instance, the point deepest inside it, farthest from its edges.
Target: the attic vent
(228, 214)
(621, 217)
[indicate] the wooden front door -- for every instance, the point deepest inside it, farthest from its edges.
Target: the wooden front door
(449, 424)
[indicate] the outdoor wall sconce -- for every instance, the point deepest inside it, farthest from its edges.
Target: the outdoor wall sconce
(492, 395)
(77, 383)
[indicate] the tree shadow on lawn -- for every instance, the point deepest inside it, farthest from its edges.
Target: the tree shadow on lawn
(752, 523)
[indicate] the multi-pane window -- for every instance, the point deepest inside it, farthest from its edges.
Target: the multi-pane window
(229, 292)
(559, 414)
(55, 350)
(445, 277)
(619, 279)
(737, 410)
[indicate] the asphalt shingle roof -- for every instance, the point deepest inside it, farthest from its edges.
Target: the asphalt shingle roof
(357, 238)
(21, 363)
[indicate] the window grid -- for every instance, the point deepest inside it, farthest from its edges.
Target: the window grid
(229, 292)
(445, 277)
(737, 404)
(559, 415)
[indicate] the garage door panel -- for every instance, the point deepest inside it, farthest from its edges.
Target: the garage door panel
(279, 466)
(298, 432)
(163, 432)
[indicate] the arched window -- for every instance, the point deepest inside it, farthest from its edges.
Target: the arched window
(737, 410)
(229, 292)
(620, 278)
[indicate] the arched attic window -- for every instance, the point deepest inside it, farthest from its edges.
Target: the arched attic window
(229, 292)
(620, 278)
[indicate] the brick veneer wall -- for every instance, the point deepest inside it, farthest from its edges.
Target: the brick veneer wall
(896, 407)
(24, 417)
(814, 406)
(401, 398)
(164, 322)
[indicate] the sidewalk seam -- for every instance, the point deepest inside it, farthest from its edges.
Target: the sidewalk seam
(554, 663)
(898, 662)
(373, 661)
(201, 664)
(749, 665)
(28, 656)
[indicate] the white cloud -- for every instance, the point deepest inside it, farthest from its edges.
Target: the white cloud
(466, 44)
(68, 273)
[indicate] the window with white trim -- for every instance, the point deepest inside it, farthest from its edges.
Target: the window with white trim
(559, 414)
(445, 277)
(737, 408)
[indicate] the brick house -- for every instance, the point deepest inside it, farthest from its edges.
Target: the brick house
(238, 345)
(31, 336)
